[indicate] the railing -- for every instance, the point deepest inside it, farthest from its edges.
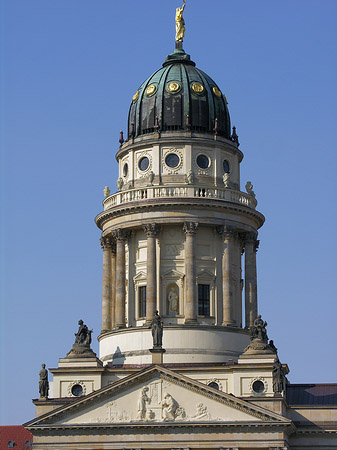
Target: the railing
(153, 192)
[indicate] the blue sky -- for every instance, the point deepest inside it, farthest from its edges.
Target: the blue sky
(68, 73)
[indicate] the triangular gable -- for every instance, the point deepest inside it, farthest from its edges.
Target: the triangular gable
(155, 395)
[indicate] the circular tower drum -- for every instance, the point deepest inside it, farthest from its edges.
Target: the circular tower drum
(174, 234)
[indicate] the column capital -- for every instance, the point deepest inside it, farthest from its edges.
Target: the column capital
(106, 242)
(226, 231)
(121, 235)
(190, 228)
(250, 238)
(151, 229)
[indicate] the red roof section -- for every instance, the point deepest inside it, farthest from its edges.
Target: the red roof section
(16, 434)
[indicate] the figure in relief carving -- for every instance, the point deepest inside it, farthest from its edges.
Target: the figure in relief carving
(43, 382)
(190, 177)
(157, 331)
(172, 299)
(180, 23)
(169, 406)
(201, 412)
(249, 189)
(142, 401)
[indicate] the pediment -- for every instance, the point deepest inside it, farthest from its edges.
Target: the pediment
(173, 274)
(140, 276)
(204, 273)
(155, 396)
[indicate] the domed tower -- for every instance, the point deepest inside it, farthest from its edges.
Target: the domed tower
(174, 234)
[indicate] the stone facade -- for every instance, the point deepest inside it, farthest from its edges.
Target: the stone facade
(179, 237)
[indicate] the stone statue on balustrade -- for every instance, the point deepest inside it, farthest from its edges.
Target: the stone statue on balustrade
(258, 330)
(279, 378)
(259, 338)
(157, 331)
(43, 382)
(81, 347)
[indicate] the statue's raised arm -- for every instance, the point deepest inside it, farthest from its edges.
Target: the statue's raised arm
(180, 23)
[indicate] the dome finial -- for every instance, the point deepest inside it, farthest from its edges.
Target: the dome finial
(180, 25)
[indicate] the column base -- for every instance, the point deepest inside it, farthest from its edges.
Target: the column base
(229, 324)
(118, 326)
(191, 321)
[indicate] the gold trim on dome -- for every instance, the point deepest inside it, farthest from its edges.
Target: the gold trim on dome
(151, 89)
(225, 99)
(173, 86)
(217, 91)
(135, 97)
(197, 87)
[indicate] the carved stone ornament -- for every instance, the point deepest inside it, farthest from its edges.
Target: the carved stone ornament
(259, 338)
(81, 347)
(225, 179)
(106, 191)
(150, 177)
(106, 242)
(190, 178)
(190, 227)
(119, 183)
(249, 189)
(263, 380)
(75, 383)
(151, 229)
(121, 235)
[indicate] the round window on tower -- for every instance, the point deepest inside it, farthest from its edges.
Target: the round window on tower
(77, 390)
(258, 386)
(125, 170)
(172, 160)
(144, 163)
(225, 166)
(213, 385)
(203, 161)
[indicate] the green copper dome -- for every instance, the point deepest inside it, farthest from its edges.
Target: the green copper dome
(176, 97)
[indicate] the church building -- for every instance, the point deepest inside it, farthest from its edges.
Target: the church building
(185, 361)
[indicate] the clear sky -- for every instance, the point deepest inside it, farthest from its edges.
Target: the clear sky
(68, 73)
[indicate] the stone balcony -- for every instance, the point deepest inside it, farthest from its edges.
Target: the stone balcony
(178, 191)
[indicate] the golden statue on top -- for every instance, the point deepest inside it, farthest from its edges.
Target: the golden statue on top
(180, 23)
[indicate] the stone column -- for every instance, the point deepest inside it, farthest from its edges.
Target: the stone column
(227, 277)
(191, 303)
(106, 244)
(113, 284)
(120, 236)
(151, 230)
(251, 245)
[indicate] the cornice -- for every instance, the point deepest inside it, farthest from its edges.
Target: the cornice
(176, 204)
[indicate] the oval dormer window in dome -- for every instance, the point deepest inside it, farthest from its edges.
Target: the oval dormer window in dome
(217, 91)
(172, 160)
(202, 161)
(150, 90)
(173, 86)
(225, 166)
(197, 88)
(143, 163)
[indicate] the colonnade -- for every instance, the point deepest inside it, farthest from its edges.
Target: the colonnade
(114, 287)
